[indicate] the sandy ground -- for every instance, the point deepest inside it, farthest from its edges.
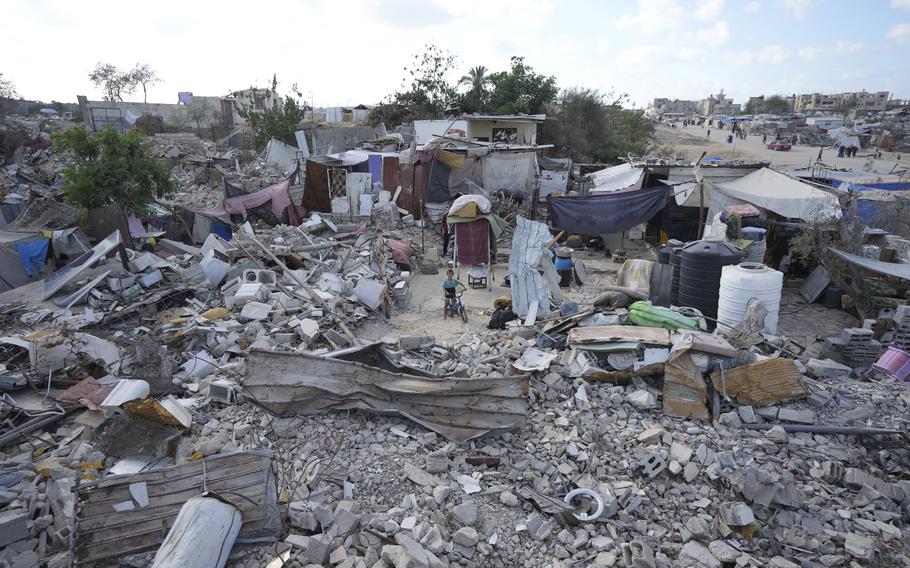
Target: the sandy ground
(693, 140)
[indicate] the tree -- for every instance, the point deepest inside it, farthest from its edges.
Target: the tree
(199, 112)
(115, 83)
(144, 75)
(7, 89)
(279, 122)
(108, 168)
(521, 90)
(777, 104)
(475, 98)
(588, 128)
(425, 91)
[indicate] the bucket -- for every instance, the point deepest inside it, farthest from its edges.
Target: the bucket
(894, 362)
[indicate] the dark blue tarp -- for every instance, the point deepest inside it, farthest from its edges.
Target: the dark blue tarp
(606, 213)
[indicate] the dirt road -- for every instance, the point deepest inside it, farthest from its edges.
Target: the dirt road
(693, 140)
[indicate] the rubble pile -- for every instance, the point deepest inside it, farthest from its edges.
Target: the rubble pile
(165, 404)
(201, 169)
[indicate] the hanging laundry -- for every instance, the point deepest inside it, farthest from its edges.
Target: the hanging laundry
(33, 255)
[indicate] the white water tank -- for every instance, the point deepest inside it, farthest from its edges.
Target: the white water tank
(742, 282)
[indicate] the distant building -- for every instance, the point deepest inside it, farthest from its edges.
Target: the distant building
(757, 104)
(825, 122)
(659, 107)
(864, 101)
(718, 104)
(359, 114)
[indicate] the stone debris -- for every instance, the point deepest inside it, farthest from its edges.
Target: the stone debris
(150, 368)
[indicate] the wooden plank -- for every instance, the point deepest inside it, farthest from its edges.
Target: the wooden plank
(246, 479)
(608, 333)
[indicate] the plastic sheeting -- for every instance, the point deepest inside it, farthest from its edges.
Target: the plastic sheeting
(617, 177)
(888, 268)
(529, 251)
(607, 213)
(512, 173)
(780, 194)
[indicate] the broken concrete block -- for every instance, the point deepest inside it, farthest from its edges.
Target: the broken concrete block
(653, 464)
(723, 551)
(538, 527)
(466, 536)
(778, 434)
(508, 499)
(150, 279)
(412, 554)
(690, 472)
(466, 513)
(736, 514)
(828, 369)
(680, 453)
(747, 414)
(13, 526)
(250, 292)
(800, 416)
(308, 330)
(438, 461)
(700, 554)
(255, 311)
(642, 399)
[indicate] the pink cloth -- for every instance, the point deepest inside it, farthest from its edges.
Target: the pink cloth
(277, 194)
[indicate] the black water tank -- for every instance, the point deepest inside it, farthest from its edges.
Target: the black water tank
(699, 275)
(675, 260)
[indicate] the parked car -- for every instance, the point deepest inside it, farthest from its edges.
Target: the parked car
(779, 145)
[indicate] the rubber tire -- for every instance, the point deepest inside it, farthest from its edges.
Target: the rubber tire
(463, 313)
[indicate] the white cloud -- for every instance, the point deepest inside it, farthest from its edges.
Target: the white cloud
(773, 55)
(715, 36)
(840, 47)
(602, 45)
(653, 54)
(753, 6)
(653, 16)
(768, 55)
(905, 4)
(808, 53)
(900, 33)
(709, 9)
(799, 8)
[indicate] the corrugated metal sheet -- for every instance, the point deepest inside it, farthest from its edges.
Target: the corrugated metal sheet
(762, 383)
(460, 409)
(609, 333)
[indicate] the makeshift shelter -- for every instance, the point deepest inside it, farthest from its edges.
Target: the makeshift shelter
(615, 178)
(475, 229)
(778, 193)
(606, 213)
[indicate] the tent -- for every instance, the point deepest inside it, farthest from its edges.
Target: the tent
(778, 193)
(617, 177)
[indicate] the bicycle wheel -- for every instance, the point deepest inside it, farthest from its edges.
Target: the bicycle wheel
(463, 313)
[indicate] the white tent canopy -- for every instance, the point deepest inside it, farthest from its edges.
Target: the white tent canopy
(616, 178)
(781, 194)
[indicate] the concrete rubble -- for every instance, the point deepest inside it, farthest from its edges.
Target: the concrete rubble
(416, 450)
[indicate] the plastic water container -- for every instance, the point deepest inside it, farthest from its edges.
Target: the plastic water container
(742, 282)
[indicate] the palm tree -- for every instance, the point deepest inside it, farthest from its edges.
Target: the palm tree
(478, 80)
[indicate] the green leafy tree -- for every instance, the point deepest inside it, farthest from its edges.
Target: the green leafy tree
(7, 89)
(521, 90)
(425, 91)
(777, 104)
(114, 82)
(477, 80)
(279, 122)
(591, 127)
(109, 168)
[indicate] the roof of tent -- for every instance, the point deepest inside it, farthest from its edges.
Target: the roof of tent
(617, 177)
(783, 195)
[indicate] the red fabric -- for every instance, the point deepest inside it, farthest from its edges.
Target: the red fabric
(401, 250)
(472, 242)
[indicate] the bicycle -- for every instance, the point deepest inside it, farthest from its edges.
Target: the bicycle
(455, 307)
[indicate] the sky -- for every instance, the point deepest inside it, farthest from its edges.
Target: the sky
(352, 52)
